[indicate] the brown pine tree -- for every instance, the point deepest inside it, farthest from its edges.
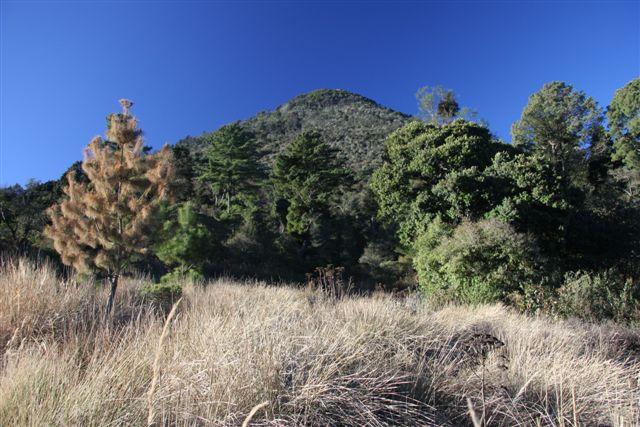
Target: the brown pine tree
(102, 225)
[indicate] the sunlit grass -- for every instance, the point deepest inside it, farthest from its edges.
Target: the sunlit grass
(373, 360)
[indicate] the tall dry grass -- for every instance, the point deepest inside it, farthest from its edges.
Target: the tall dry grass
(230, 347)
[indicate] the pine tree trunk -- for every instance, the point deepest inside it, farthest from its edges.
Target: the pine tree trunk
(113, 281)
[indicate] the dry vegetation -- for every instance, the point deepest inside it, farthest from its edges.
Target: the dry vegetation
(316, 360)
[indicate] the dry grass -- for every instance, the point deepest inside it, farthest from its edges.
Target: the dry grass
(356, 361)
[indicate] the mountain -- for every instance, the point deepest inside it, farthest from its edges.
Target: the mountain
(357, 126)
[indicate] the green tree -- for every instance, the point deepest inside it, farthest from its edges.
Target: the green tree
(624, 123)
(584, 225)
(183, 163)
(231, 174)
(307, 180)
(624, 127)
(563, 125)
(187, 243)
(104, 224)
(450, 190)
(23, 214)
(533, 198)
(434, 171)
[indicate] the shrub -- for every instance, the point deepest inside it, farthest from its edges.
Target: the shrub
(385, 268)
(182, 274)
(599, 296)
(162, 295)
(534, 299)
(186, 243)
(476, 262)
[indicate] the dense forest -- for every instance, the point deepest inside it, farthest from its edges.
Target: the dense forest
(331, 184)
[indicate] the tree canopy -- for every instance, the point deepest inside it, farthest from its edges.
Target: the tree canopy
(307, 179)
(561, 124)
(102, 225)
(230, 175)
(624, 124)
(433, 171)
(438, 105)
(624, 128)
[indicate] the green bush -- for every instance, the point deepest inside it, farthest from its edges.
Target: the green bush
(162, 295)
(599, 296)
(475, 262)
(534, 299)
(185, 241)
(181, 275)
(385, 268)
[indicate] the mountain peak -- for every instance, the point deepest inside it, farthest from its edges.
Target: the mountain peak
(322, 98)
(356, 125)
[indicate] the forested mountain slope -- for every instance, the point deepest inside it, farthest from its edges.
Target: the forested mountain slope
(352, 123)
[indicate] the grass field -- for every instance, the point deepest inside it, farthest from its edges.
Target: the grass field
(298, 357)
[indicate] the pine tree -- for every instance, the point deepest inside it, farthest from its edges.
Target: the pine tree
(563, 125)
(188, 244)
(624, 124)
(102, 225)
(231, 174)
(308, 179)
(624, 127)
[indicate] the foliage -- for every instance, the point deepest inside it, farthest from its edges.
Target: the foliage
(248, 247)
(532, 198)
(229, 178)
(312, 204)
(475, 262)
(187, 243)
(184, 173)
(624, 124)
(559, 188)
(379, 255)
(599, 296)
(103, 225)
(307, 180)
(23, 215)
(379, 258)
(354, 125)
(435, 171)
(561, 124)
(163, 295)
(624, 127)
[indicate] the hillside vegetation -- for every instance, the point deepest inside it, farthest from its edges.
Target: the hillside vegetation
(310, 359)
(353, 124)
(332, 182)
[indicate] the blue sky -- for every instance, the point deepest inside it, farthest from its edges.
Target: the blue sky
(192, 66)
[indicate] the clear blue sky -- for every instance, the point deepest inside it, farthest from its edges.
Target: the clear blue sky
(191, 66)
